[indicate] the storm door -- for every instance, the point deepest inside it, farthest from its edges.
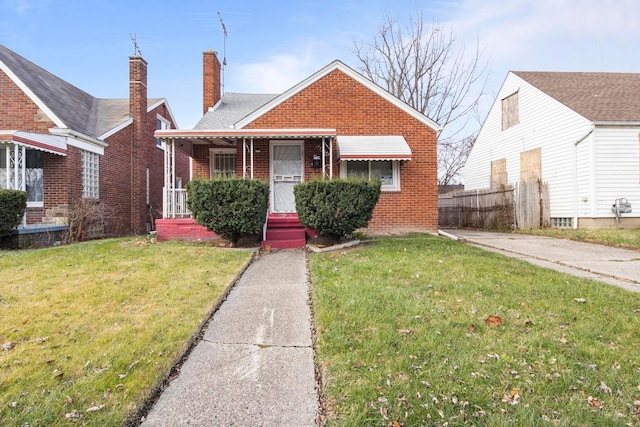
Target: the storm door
(287, 170)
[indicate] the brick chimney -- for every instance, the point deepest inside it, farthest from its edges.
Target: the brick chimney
(137, 87)
(211, 84)
(138, 111)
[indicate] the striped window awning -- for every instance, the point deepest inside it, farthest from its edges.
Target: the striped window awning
(385, 147)
(38, 141)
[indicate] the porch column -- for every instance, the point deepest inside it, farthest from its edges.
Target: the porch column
(327, 151)
(16, 167)
(168, 194)
(246, 148)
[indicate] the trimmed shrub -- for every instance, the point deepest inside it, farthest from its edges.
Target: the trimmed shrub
(232, 208)
(336, 208)
(13, 204)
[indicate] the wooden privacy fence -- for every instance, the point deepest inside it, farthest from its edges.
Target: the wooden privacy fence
(525, 206)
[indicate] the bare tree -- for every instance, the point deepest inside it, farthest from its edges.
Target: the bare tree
(427, 68)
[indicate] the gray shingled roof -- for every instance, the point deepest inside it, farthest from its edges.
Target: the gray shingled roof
(599, 97)
(77, 109)
(232, 108)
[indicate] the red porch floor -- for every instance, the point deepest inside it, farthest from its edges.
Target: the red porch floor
(284, 231)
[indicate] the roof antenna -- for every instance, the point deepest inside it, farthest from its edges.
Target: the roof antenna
(136, 49)
(224, 49)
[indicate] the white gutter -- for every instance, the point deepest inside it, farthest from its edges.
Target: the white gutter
(81, 140)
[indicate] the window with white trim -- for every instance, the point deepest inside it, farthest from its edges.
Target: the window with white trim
(161, 124)
(388, 171)
(90, 175)
(222, 162)
(34, 177)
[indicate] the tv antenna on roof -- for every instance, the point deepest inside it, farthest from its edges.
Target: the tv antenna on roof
(224, 48)
(136, 49)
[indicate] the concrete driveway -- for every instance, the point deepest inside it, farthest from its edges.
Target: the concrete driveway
(620, 267)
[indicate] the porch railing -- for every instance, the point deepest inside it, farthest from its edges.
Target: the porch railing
(175, 203)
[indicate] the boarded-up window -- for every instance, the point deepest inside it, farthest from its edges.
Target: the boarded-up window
(499, 173)
(510, 111)
(531, 165)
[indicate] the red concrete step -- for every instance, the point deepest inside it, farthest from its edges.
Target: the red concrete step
(284, 244)
(284, 231)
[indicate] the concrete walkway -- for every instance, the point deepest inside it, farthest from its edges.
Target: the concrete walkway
(255, 365)
(620, 267)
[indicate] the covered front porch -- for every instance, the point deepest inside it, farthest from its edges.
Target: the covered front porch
(282, 157)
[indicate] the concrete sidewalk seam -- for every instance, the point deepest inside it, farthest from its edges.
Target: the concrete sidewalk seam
(586, 270)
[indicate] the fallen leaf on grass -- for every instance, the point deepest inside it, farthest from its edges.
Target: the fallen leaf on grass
(73, 415)
(95, 408)
(493, 321)
(396, 424)
(595, 402)
(580, 300)
(604, 387)
(405, 331)
(471, 328)
(7, 346)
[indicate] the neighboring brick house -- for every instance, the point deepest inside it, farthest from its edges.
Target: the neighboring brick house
(62, 145)
(335, 123)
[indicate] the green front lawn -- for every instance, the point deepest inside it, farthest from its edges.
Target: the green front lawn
(89, 331)
(409, 334)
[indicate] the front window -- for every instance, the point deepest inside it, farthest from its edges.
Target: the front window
(223, 162)
(90, 175)
(161, 124)
(34, 178)
(387, 171)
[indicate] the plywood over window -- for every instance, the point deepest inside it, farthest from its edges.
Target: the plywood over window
(499, 176)
(531, 165)
(510, 111)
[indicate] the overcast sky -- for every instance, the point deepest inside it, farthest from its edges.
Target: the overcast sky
(272, 45)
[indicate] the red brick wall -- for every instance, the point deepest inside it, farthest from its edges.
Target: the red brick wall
(337, 101)
(18, 112)
(123, 178)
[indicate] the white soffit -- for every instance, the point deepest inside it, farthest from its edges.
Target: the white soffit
(387, 147)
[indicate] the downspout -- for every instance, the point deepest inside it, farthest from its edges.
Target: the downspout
(575, 175)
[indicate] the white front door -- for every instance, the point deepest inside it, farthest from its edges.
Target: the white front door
(287, 170)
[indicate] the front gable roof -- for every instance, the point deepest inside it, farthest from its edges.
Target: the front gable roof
(599, 97)
(66, 105)
(255, 106)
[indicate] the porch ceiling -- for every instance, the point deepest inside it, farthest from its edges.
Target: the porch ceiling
(186, 139)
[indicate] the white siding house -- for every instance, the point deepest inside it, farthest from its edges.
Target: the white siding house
(578, 132)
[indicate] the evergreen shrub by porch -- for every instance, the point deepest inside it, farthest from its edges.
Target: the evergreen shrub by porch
(13, 204)
(336, 208)
(231, 208)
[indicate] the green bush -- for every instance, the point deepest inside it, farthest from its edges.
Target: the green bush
(336, 208)
(231, 208)
(13, 204)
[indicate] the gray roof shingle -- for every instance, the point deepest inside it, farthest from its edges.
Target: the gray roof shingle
(232, 108)
(599, 97)
(77, 109)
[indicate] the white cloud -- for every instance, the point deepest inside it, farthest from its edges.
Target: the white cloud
(18, 6)
(276, 73)
(517, 29)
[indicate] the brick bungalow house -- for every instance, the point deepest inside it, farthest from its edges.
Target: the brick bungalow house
(62, 145)
(335, 123)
